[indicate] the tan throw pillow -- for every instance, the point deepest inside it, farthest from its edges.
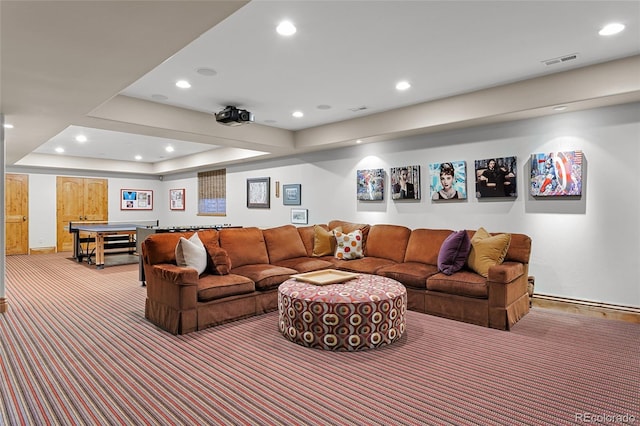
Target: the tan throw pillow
(324, 242)
(191, 253)
(487, 251)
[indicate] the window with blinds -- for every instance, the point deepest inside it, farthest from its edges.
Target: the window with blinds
(212, 193)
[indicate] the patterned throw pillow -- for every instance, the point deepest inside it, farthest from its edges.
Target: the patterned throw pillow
(191, 253)
(487, 251)
(349, 246)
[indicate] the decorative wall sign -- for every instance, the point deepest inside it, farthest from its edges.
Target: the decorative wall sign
(370, 184)
(496, 177)
(299, 216)
(176, 199)
(405, 183)
(136, 199)
(258, 193)
(291, 194)
(448, 181)
(556, 174)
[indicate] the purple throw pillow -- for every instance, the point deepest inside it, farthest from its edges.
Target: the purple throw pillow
(453, 252)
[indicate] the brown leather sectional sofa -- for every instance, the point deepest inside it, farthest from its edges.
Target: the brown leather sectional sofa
(181, 301)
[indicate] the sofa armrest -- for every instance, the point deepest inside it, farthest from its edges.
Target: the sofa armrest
(505, 272)
(506, 283)
(173, 286)
(179, 275)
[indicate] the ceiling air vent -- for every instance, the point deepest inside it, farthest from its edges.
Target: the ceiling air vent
(360, 108)
(561, 59)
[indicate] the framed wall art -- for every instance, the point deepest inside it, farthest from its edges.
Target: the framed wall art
(405, 183)
(370, 184)
(299, 216)
(291, 194)
(448, 181)
(258, 193)
(176, 199)
(496, 177)
(136, 199)
(556, 174)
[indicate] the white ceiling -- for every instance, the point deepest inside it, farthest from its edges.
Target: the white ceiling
(96, 68)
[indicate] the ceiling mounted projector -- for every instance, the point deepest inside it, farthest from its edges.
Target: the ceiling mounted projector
(232, 116)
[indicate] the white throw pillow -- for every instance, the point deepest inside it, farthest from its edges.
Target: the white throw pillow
(191, 253)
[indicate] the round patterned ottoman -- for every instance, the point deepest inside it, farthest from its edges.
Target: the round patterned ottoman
(363, 313)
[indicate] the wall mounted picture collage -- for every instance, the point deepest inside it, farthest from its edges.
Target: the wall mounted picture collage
(554, 174)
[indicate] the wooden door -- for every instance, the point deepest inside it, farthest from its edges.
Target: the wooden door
(78, 199)
(16, 214)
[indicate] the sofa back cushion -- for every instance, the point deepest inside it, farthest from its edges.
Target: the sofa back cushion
(283, 243)
(424, 245)
(245, 246)
(387, 242)
(161, 248)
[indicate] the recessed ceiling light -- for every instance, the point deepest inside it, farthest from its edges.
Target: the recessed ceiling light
(169, 148)
(286, 28)
(7, 126)
(359, 141)
(81, 138)
(183, 84)
(138, 157)
(209, 72)
(560, 108)
(158, 97)
(611, 29)
(298, 114)
(59, 150)
(403, 85)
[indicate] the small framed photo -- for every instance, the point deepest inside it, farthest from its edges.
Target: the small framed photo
(299, 216)
(258, 193)
(291, 194)
(176, 199)
(136, 199)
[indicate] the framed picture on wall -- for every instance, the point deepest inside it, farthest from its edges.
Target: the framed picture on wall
(405, 183)
(176, 199)
(448, 181)
(299, 216)
(291, 194)
(136, 199)
(370, 183)
(258, 193)
(556, 174)
(496, 177)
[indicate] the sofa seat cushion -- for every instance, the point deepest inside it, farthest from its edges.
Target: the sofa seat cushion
(366, 265)
(305, 264)
(461, 283)
(211, 287)
(265, 276)
(411, 274)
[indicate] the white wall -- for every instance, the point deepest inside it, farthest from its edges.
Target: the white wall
(586, 248)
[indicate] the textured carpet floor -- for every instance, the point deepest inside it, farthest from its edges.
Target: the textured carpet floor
(75, 349)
